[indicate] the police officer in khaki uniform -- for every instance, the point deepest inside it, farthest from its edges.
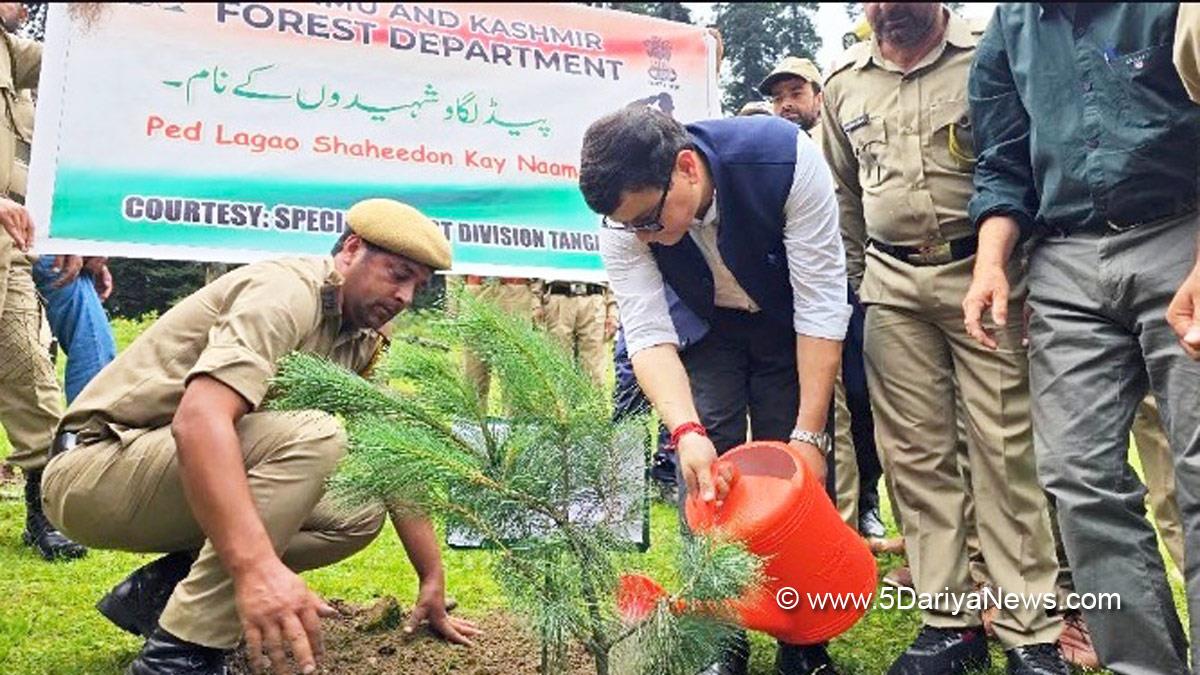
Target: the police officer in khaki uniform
(30, 398)
(167, 450)
(582, 317)
(899, 143)
(514, 295)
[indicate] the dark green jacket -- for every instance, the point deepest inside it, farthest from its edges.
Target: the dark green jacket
(1080, 119)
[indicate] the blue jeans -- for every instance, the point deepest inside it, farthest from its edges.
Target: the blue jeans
(78, 322)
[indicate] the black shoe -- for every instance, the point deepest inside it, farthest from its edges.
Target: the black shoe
(135, 604)
(165, 654)
(944, 651)
(1040, 659)
(667, 493)
(803, 660)
(39, 533)
(735, 658)
(870, 525)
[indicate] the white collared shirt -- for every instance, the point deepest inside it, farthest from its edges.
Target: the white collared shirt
(816, 263)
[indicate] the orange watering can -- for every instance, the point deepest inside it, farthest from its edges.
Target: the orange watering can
(779, 511)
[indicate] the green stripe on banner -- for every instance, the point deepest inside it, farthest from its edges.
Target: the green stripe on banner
(88, 204)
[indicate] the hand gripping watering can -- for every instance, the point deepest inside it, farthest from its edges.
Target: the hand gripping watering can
(779, 511)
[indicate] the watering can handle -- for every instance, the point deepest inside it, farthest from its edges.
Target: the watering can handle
(707, 511)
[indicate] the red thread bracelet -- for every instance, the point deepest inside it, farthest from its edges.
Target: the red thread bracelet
(686, 428)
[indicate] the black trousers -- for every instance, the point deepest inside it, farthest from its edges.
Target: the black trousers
(858, 401)
(744, 371)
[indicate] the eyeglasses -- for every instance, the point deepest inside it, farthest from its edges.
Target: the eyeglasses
(651, 224)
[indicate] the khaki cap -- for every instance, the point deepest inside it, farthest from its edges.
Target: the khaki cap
(400, 229)
(792, 66)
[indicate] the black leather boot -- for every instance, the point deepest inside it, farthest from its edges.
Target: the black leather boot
(165, 654)
(39, 533)
(135, 604)
(1039, 659)
(944, 651)
(734, 659)
(803, 660)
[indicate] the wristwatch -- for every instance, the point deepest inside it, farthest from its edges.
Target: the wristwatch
(818, 439)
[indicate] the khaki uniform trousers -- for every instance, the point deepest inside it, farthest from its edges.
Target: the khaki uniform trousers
(577, 323)
(1158, 469)
(517, 299)
(30, 398)
(844, 460)
(847, 481)
(919, 358)
(128, 495)
(975, 561)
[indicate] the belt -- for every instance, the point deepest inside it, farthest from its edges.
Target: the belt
(64, 442)
(934, 254)
(573, 288)
(476, 280)
(1117, 227)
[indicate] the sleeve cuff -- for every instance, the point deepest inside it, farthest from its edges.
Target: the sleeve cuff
(827, 324)
(638, 343)
(236, 367)
(1024, 220)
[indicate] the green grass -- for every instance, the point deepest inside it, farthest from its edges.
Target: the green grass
(48, 625)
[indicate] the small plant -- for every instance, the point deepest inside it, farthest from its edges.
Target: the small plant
(547, 487)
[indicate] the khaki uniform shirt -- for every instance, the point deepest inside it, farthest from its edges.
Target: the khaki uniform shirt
(234, 330)
(23, 114)
(20, 68)
(1187, 47)
(900, 145)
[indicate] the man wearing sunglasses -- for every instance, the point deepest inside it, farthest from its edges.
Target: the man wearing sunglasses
(722, 246)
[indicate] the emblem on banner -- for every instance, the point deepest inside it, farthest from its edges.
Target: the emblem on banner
(661, 72)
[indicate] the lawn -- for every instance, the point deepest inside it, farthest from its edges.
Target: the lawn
(48, 625)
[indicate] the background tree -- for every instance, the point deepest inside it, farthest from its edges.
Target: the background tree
(35, 25)
(854, 10)
(143, 286)
(671, 11)
(757, 36)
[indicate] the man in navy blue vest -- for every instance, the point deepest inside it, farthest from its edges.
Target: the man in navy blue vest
(722, 246)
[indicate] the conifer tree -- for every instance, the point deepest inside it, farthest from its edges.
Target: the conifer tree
(546, 487)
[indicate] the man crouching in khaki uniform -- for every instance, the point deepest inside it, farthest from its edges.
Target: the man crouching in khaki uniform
(166, 451)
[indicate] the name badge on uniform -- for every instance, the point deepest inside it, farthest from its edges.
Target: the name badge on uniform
(856, 123)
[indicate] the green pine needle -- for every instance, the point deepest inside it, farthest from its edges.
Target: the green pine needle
(420, 436)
